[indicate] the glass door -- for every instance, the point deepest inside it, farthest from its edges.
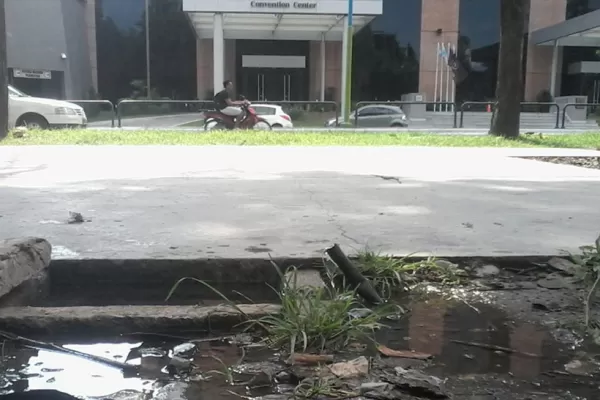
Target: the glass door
(260, 84)
(287, 87)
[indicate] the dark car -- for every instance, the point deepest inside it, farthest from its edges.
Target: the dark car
(376, 116)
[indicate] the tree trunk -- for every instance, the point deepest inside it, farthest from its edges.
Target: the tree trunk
(3, 75)
(510, 68)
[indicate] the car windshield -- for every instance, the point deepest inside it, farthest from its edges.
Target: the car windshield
(15, 92)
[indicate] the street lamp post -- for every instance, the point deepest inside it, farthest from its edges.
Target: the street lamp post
(347, 87)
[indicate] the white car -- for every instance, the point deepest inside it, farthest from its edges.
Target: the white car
(274, 115)
(39, 113)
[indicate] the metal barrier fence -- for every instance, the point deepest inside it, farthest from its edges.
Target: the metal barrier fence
(540, 106)
(90, 112)
(576, 105)
(204, 105)
(298, 110)
(469, 105)
(450, 105)
(117, 112)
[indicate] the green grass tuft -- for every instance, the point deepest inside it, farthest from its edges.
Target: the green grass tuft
(390, 275)
(280, 138)
(319, 319)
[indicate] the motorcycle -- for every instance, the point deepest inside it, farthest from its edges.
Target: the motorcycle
(215, 120)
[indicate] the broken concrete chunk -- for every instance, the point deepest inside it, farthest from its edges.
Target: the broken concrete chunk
(486, 270)
(305, 278)
(415, 382)
(371, 386)
(184, 350)
(563, 265)
(21, 260)
(351, 369)
(554, 282)
(172, 391)
(581, 368)
(75, 218)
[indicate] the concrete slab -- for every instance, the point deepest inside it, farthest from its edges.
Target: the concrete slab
(190, 202)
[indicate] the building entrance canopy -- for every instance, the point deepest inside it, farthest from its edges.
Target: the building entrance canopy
(583, 31)
(279, 19)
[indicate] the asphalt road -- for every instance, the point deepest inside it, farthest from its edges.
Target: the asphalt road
(160, 122)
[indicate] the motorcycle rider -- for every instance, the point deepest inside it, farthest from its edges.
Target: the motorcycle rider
(227, 106)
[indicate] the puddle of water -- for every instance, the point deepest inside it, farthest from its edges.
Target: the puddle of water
(28, 369)
(475, 347)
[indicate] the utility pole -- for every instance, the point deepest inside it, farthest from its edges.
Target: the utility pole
(3, 75)
(148, 86)
(347, 53)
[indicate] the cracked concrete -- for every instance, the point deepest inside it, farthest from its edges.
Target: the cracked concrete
(220, 201)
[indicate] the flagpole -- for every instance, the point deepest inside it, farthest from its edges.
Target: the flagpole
(347, 95)
(454, 80)
(437, 67)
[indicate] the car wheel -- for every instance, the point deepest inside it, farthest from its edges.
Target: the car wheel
(276, 126)
(33, 122)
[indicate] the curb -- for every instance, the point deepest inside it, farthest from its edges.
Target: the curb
(119, 320)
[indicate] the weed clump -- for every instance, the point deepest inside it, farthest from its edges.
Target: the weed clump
(589, 272)
(319, 319)
(312, 319)
(390, 275)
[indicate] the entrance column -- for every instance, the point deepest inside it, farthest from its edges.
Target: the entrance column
(344, 70)
(218, 52)
(543, 13)
(322, 67)
(554, 69)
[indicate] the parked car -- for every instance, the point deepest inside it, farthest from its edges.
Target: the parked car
(274, 115)
(39, 113)
(376, 116)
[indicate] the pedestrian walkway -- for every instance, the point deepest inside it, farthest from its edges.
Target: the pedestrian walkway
(219, 201)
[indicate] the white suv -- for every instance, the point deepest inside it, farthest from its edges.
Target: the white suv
(39, 113)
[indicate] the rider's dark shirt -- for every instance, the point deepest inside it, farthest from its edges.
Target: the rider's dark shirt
(221, 99)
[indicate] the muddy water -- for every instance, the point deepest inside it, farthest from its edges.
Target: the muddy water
(477, 348)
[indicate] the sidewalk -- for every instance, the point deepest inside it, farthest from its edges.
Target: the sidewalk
(195, 202)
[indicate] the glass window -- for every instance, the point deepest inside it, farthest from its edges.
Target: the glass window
(121, 50)
(575, 8)
(386, 53)
(478, 47)
(15, 92)
(262, 110)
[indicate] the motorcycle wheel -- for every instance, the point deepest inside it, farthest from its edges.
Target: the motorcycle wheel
(262, 126)
(214, 125)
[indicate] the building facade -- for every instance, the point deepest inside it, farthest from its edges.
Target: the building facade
(290, 50)
(51, 47)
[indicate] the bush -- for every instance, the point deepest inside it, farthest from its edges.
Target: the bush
(544, 96)
(296, 114)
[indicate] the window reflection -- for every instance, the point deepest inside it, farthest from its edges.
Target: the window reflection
(386, 53)
(575, 8)
(579, 84)
(478, 48)
(121, 41)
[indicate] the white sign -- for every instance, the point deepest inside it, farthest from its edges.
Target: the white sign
(32, 74)
(321, 7)
(283, 5)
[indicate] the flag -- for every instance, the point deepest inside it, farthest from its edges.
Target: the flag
(453, 60)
